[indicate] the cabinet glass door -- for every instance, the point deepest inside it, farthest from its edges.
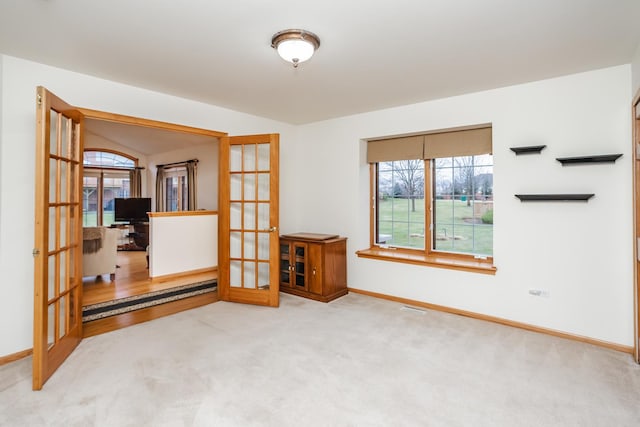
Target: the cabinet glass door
(298, 265)
(285, 265)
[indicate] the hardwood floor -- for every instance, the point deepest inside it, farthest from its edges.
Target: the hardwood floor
(132, 278)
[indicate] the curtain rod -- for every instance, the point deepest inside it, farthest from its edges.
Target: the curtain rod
(178, 163)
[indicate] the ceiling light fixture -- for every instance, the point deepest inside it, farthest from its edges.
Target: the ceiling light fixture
(295, 46)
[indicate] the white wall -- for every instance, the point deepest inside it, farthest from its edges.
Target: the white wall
(580, 252)
(180, 244)
(19, 81)
(1, 144)
(207, 172)
(635, 71)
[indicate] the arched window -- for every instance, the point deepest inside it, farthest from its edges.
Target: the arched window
(107, 176)
(108, 159)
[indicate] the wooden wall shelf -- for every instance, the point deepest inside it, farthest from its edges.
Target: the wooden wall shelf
(531, 149)
(554, 197)
(606, 158)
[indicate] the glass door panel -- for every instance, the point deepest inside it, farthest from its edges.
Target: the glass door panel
(263, 275)
(236, 187)
(249, 158)
(90, 201)
(236, 274)
(250, 218)
(263, 157)
(263, 186)
(263, 247)
(235, 158)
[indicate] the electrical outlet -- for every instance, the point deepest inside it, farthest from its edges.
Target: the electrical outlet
(544, 293)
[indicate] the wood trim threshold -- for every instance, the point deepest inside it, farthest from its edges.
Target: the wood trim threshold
(120, 321)
(172, 276)
(15, 356)
(506, 322)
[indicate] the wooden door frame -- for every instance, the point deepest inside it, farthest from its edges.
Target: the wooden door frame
(130, 120)
(635, 120)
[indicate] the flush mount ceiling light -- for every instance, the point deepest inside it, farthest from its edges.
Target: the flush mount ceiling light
(295, 46)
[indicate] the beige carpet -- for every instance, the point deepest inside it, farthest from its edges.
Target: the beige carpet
(357, 361)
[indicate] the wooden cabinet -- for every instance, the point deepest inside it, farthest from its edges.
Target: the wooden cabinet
(313, 265)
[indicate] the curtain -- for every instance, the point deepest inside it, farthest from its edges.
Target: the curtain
(470, 142)
(192, 185)
(135, 183)
(160, 190)
(447, 143)
(386, 150)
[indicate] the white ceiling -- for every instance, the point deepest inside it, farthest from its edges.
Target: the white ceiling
(145, 140)
(374, 53)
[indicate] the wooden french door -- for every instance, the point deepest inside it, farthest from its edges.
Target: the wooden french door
(248, 224)
(636, 225)
(57, 328)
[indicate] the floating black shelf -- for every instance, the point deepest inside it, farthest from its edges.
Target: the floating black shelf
(531, 149)
(606, 158)
(554, 197)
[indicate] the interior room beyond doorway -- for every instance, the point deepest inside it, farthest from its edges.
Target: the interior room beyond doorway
(132, 278)
(148, 144)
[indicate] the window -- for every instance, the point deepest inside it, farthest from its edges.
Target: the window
(400, 203)
(101, 158)
(99, 190)
(463, 204)
(176, 186)
(106, 177)
(433, 199)
(176, 190)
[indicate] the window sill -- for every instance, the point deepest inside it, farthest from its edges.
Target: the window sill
(448, 261)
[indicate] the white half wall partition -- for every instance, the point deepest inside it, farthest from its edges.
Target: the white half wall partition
(182, 242)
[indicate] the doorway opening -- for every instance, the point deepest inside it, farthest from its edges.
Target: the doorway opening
(248, 198)
(146, 144)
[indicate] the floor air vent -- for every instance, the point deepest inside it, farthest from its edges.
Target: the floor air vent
(413, 309)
